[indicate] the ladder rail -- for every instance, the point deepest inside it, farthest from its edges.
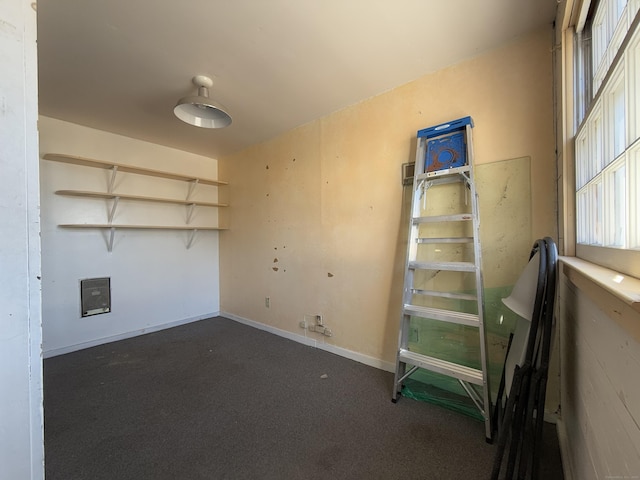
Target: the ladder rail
(479, 282)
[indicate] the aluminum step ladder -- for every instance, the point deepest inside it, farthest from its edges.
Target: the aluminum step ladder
(443, 275)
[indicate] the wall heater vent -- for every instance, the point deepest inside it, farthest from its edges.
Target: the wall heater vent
(408, 171)
(96, 296)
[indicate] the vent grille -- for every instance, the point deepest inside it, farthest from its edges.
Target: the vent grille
(96, 296)
(408, 170)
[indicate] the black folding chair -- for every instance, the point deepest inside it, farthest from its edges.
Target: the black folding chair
(520, 422)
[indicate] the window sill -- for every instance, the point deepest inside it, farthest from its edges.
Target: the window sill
(615, 294)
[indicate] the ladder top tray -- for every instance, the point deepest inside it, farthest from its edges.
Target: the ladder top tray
(444, 128)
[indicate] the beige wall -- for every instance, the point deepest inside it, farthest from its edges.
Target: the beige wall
(316, 216)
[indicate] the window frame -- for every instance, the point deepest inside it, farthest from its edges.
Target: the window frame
(626, 260)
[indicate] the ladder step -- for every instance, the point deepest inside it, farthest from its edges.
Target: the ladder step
(451, 316)
(459, 217)
(461, 372)
(434, 182)
(444, 173)
(436, 293)
(445, 240)
(449, 266)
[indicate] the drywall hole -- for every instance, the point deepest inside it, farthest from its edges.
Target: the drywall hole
(95, 295)
(329, 274)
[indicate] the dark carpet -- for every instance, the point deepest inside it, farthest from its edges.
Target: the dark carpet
(216, 399)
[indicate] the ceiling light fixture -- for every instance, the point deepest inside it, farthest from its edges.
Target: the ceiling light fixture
(199, 110)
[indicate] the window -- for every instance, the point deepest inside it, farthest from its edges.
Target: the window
(607, 143)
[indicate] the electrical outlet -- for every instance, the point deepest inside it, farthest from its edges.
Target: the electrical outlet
(319, 320)
(267, 302)
(303, 324)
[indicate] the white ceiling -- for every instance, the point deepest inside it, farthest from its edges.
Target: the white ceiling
(121, 65)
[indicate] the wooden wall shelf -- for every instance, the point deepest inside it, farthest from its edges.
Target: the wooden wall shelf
(88, 162)
(129, 226)
(116, 197)
(124, 196)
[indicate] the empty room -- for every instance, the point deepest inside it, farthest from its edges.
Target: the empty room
(319, 240)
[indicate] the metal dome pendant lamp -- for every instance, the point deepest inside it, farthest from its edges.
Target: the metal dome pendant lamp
(200, 110)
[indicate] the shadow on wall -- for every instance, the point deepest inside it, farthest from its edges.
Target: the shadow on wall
(397, 280)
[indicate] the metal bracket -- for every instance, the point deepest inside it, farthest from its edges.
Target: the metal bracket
(112, 181)
(112, 232)
(473, 395)
(406, 375)
(113, 209)
(425, 185)
(191, 237)
(190, 209)
(192, 186)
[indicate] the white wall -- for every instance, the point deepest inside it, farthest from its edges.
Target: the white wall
(599, 431)
(155, 280)
(21, 434)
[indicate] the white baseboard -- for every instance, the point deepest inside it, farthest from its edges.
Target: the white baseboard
(312, 342)
(358, 357)
(565, 450)
(122, 336)
(267, 328)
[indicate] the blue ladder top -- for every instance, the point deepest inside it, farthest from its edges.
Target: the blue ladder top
(444, 128)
